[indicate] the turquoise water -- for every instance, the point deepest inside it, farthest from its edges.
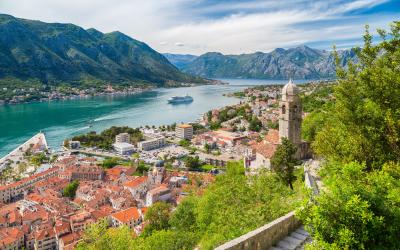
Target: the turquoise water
(64, 119)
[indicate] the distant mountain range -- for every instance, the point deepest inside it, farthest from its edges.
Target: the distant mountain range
(301, 63)
(180, 61)
(65, 53)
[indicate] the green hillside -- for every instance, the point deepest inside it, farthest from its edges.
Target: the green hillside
(55, 53)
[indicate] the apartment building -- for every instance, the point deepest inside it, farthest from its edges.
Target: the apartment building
(152, 142)
(123, 137)
(184, 131)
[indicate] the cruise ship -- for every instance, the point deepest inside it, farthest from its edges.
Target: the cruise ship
(180, 99)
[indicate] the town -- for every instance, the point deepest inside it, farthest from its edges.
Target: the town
(42, 93)
(49, 205)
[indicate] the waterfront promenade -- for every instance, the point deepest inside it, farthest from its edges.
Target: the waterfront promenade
(18, 153)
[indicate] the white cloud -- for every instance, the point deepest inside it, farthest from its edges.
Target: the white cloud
(176, 26)
(179, 44)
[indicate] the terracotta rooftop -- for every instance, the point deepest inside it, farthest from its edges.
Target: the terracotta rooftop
(136, 182)
(272, 136)
(184, 126)
(265, 149)
(10, 235)
(127, 215)
(25, 180)
(70, 238)
(160, 189)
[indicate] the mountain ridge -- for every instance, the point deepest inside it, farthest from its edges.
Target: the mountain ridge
(301, 62)
(58, 53)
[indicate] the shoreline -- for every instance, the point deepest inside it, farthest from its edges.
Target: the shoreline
(116, 93)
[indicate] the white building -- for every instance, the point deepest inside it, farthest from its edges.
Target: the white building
(152, 142)
(161, 193)
(184, 131)
(123, 137)
(124, 148)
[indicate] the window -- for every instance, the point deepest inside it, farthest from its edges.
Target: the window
(283, 109)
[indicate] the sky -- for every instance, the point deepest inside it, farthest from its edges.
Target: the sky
(226, 26)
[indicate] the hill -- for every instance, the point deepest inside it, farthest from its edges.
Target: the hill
(57, 53)
(301, 63)
(180, 61)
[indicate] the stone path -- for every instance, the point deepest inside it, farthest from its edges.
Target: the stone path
(294, 241)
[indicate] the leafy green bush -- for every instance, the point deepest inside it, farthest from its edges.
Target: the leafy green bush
(70, 189)
(360, 211)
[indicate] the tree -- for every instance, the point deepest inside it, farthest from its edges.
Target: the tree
(255, 124)
(228, 208)
(70, 189)
(99, 237)
(364, 125)
(184, 143)
(283, 162)
(207, 147)
(142, 168)
(157, 217)
(359, 207)
(192, 162)
(184, 217)
(360, 211)
(38, 159)
(110, 162)
(167, 240)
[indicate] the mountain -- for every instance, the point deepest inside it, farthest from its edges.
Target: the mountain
(180, 61)
(65, 53)
(301, 63)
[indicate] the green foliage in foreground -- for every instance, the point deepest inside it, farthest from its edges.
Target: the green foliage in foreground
(361, 210)
(364, 123)
(230, 207)
(358, 135)
(106, 138)
(70, 189)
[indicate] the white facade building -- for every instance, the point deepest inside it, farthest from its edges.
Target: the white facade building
(184, 131)
(123, 137)
(124, 148)
(152, 142)
(160, 193)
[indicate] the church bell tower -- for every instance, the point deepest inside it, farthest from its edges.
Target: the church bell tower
(290, 114)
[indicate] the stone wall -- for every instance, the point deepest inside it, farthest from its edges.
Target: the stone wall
(266, 236)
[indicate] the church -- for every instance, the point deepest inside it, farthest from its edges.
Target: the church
(259, 154)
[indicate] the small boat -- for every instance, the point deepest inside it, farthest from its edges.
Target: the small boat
(180, 99)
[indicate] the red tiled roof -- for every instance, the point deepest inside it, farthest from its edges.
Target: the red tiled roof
(265, 149)
(23, 181)
(272, 136)
(70, 238)
(136, 182)
(159, 189)
(44, 234)
(127, 215)
(10, 235)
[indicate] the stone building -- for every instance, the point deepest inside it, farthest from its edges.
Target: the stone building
(290, 115)
(290, 118)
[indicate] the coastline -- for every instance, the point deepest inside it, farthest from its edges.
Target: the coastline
(129, 91)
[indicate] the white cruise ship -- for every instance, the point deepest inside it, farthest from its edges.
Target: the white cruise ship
(180, 99)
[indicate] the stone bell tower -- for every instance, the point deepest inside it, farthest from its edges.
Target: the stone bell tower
(290, 114)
